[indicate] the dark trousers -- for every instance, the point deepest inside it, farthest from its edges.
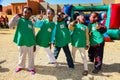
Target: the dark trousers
(95, 53)
(67, 54)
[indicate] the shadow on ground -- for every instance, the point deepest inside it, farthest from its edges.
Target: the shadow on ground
(63, 72)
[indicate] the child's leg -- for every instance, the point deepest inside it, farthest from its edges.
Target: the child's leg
(22, 56)
(56, 51)
(84, 58)
(30, 58)
(73, 53)
(91, 53)
(99, 56)
(68, 56)
(50, 55)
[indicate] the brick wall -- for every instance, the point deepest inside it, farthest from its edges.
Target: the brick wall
(5, 9)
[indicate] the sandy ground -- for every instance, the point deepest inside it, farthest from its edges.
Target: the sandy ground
(45, 71)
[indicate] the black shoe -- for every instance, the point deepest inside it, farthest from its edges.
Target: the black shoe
(95, 71)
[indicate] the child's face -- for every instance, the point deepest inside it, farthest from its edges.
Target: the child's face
(93, 18)
(27, 13)
(81, 19)
(60, 17)
(50, 15)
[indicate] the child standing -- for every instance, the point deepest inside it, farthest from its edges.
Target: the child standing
(96, 42)
(80, 39)
(25, 39)
(44, 35)
(62, 39)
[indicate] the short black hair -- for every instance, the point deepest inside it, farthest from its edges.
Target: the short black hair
(28, 8)
(75, 16)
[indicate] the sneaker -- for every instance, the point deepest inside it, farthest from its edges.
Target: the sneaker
(18, 69)
(71, 68)
(32, 71)
(55, 64)
(95, 71)
(85, 73)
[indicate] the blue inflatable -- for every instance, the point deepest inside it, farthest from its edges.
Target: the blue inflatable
(67, 9)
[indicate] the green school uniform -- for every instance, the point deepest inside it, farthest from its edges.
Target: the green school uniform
(43, 38)
(24, 35)
(96, 37)
(79, 36)
(62, 37)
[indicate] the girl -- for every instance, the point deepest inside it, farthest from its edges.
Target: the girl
(44, 35)
(25, 39)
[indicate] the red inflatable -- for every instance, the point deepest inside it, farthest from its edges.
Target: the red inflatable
(115, 16)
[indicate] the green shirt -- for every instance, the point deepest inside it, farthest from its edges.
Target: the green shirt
(62, 36)
(43, 37)
(79, 35)
(24, 35)
(96, 37)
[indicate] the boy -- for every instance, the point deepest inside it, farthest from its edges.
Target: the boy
(96, 42)
(80, 39)
(62, 39)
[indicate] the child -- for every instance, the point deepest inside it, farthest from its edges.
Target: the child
(62, 39)
(96, 42)
(25, 39)
(43, 37)
(80, 39)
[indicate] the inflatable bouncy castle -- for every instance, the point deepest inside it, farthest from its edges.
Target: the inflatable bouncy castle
(110, 17)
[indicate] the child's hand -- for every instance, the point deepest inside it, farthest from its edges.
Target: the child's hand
(90, 33)
(86, 48)
(34, 48)
(73, 23)
(97, 26)
(41, 15)
(51, 46)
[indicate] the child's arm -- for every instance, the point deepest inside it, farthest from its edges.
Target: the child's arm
(14, 21)
(39, 22)
(87, 38)
(34, 47)
(53, 36)
(71, 25)
(101, 28)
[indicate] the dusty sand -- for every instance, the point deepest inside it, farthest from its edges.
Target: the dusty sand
(45, 71)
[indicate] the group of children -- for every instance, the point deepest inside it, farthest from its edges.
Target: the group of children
(58, 34)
